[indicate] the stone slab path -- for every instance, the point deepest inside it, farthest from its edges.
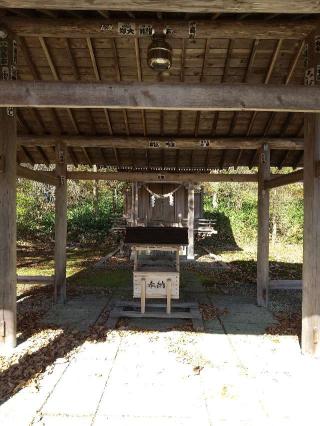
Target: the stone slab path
(232, 374)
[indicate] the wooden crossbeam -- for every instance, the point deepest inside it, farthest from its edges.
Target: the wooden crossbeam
(161, 177)
(285, 285)
(169, 96)
(186, 6)
(37, 175)
(106, 28)
(284, 179)
(139, 142)
(35, 279)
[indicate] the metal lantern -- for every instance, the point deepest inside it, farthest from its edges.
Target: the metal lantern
(159, 53)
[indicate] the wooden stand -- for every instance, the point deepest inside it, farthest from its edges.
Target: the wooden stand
(179, 311)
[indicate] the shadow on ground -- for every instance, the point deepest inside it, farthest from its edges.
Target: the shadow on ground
(48, 332)
(224, 239)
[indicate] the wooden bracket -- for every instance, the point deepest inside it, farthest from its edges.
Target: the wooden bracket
(2, 164)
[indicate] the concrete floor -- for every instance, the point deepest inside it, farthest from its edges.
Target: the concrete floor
(231, 374)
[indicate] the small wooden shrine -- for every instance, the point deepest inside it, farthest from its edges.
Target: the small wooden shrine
(174, 204)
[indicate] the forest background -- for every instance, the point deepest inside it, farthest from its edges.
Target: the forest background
(94, 206)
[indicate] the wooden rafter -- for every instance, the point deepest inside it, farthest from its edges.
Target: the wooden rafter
(289, 76)
(118, 78)
(301, 128)
(77, 77)
(23, 122)
(298, 160)
(183, 51)
(73, 157)
(28, 155)
(35, 75)
(224, 77)
(252, 56)
(104, 14)
(267, 79)
(57, 78)
(283, 159)
(139, 73)
(204, 64)
(43, 155)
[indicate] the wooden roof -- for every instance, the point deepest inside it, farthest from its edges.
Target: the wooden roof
(195, 60)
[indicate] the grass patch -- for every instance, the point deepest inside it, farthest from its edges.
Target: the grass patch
(113, 280)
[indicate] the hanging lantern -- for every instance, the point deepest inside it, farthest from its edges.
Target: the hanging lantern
(159, 53)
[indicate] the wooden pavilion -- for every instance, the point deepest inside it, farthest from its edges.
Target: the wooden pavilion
(242, 90)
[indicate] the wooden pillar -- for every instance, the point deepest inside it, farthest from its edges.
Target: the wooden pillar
(191, 221)
(8, 148)
(311, 246)
(263, 227)
(60, 254)
(201, 213)
(136, 203)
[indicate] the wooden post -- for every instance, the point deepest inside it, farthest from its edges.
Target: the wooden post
(8, 141)
(169, 292)
(143, 296)
(311, 249)
(190, 221)
(263, 228)
(60, 254)
(136, 203)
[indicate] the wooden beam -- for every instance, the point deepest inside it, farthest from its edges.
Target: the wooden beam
(169, 96)
(263, 227)
(285, 179)
(139, 142)
(35, 279)
(105, 28)
(285, 285)
(37, 175)
(60, 255)
(185, 6)
(162, 177)
(8, 275)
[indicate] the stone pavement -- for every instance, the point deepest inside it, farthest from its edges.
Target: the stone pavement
(232, 374)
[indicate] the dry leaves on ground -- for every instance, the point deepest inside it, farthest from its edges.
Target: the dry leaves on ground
(289, 324)
(210, 312)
